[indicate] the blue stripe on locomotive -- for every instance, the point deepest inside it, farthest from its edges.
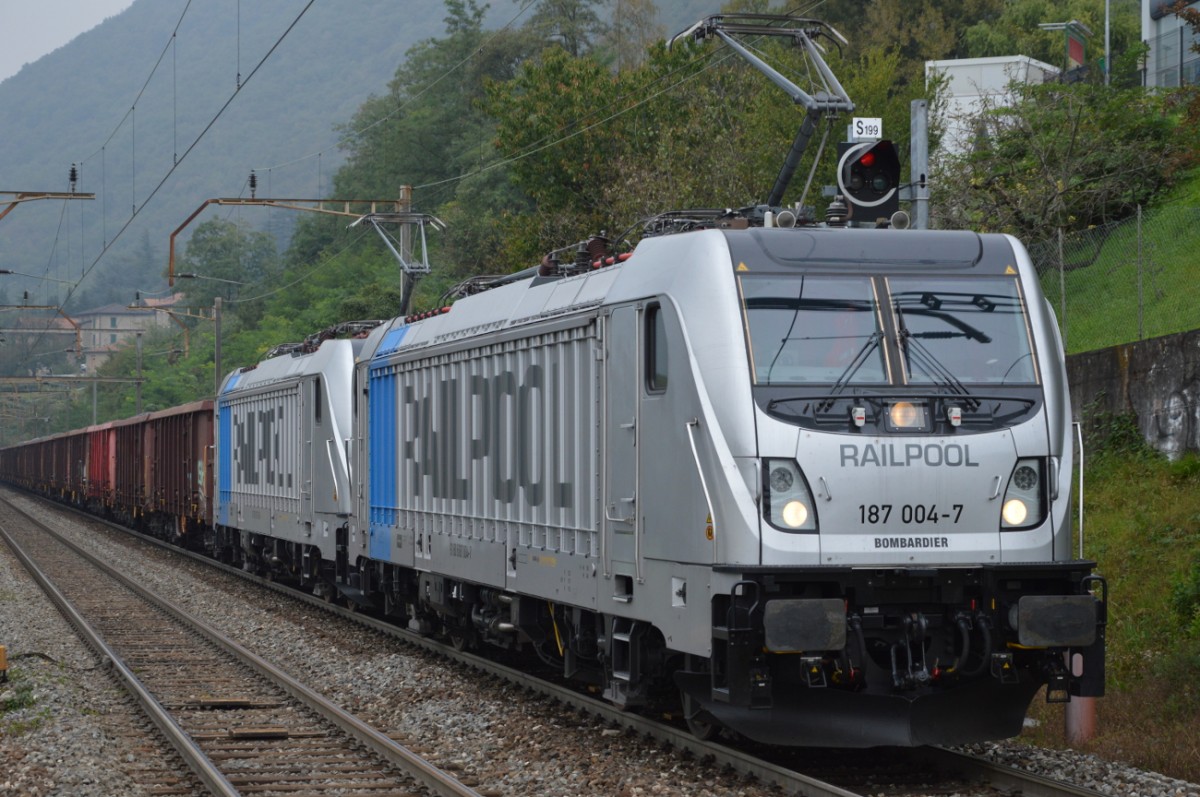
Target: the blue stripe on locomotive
(225, 447)
(382, 437)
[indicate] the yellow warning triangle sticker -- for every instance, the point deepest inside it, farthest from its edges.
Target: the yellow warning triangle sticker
(1009, 270)
(742, 267)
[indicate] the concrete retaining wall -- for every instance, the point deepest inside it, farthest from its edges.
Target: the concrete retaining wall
(1157, 381)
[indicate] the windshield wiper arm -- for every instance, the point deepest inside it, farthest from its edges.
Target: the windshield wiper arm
(942, 375)
(871, 343)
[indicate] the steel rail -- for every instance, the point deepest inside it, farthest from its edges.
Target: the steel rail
(721, 756)
(968, 767)
(1000, 776)
(438, 781)
(188, 749)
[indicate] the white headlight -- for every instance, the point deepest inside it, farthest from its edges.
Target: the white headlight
(1014, 512)
(787, 501)
(795, 514)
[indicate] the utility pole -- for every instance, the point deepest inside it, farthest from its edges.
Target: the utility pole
(217, 346)
(918, 157)
(139, 377)
(401, 244)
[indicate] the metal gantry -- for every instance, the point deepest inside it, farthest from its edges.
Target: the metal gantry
(18, 197)
(348, 208)
(803, 33)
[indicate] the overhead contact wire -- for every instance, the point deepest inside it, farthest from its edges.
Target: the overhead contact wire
(171, 171)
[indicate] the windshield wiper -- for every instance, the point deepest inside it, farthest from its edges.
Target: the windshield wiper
(869, 346)
(941, 375)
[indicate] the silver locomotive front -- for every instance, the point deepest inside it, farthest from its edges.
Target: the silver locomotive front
(914, 443)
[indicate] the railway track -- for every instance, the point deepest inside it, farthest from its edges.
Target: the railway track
(241, 724)
(821, 774)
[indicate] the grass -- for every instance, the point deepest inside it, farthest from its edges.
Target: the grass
(15, 719)
(1120, 289)
(1141, 515)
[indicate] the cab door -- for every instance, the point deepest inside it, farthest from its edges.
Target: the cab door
(621, 386)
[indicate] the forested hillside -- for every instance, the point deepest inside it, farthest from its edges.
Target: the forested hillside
(529, 126)
(91, 103)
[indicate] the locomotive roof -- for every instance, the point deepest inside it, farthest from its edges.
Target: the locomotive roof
(663, 264)
(851, 249)
(293, 366)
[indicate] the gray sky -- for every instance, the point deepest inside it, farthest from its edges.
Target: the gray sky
(31, 28)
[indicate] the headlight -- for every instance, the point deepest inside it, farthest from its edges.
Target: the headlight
(781, 480)
(787, 501)
(1025, 478)
(907, 416)
(1025, 499)
(795, 514)
(1015, 512)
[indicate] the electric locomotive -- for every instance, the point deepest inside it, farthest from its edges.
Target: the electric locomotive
(812, 480)
(809, 484)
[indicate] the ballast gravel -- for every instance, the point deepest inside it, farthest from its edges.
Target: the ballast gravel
(53, 713)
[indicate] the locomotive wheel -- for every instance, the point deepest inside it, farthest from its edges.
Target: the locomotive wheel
(699, 723)
(703, 726)
(458, 639)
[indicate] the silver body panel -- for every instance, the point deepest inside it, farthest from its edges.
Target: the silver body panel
(283, 435)
(664, 488)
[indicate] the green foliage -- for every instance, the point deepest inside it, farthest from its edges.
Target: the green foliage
(573, 25)
(1014, 30)
(1185, 598)
(1062, 156)
(527, 139)
(1137, 519)
(593, 155)
(1114, 439)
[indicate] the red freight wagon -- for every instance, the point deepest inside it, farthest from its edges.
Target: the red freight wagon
(179, 443)
(129, 469)
(32, 465)
(66, 463)
(77, 459)
(101, 464)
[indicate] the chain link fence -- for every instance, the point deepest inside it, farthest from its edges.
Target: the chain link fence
(1124, 281)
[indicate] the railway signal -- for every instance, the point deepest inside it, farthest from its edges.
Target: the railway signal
(868, 177)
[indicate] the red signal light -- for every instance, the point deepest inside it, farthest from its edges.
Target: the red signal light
(867, 160)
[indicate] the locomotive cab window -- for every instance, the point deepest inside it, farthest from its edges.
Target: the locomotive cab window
(656, 349)
(813, 329)
(974, 328)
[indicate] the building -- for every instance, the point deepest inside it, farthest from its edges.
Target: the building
(106, 329)
(970, 80)
(1172, 60)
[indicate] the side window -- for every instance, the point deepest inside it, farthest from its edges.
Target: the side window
(656, 349)
(317, 399)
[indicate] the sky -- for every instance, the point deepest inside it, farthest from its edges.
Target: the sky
(31, 28)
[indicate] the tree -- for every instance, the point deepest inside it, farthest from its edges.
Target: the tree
(633, 30)
(1190, 96)
(573, 25)
(226, 255)
(1015, 31)
(691, 127)
(428, 126)
(1060, 156)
